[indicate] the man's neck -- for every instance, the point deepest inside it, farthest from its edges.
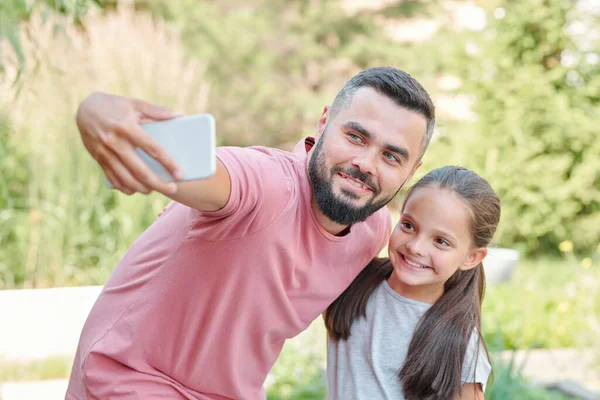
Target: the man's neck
(327, 224)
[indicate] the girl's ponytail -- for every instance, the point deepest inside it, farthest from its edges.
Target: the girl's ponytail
(352, 303)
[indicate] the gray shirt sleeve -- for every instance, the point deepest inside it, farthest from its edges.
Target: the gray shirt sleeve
(476, 366)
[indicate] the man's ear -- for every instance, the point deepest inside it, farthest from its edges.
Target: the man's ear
(474, 258)
(322, 122)
(412, 173)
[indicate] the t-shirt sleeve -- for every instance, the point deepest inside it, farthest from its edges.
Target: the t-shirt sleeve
(261, 187)
(476, 367)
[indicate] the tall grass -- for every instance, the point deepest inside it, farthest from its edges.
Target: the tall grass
(59, 224)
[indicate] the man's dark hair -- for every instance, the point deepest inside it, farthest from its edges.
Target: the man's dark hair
(399, 86)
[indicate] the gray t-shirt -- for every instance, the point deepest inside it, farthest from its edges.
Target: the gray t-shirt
(366, 365)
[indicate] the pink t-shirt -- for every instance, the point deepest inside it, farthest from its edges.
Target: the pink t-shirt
(201, 304)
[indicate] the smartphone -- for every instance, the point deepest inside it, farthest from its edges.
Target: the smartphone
(189, 140)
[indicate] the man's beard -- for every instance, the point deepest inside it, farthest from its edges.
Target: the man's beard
(337, 209)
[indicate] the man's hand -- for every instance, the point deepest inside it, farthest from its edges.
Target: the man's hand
(110, 130)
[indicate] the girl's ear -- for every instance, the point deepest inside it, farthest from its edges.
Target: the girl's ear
(474, 258)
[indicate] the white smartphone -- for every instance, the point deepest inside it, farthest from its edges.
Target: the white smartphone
(189, 140)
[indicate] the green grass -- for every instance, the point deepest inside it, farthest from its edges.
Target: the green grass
(508, 382)
(547, 304)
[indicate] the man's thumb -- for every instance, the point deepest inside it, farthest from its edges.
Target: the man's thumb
(151, 111)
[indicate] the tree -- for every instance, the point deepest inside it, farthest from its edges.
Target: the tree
(534, 75)
(13, 12)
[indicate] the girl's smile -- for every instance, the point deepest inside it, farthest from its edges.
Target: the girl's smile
(430, 244)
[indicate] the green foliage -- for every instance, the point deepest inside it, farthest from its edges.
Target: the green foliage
(14, 12)
(14, 224)
(298, 375)
(299, 372)
(59, 223)
(273, 65)
(544, 296)
(508, 382)
(536, 92)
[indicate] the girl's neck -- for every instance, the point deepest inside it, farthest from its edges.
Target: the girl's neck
(423, 293)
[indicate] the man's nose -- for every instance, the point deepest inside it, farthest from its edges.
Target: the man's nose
(366, 162)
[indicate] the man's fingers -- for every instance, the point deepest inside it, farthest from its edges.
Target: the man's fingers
(110, 161)
(154, 112)
(112, 178)
(136, 136)
(130, 168)
(130, 182)
(145, 142)
(116, 182)
(154, 150)
(133, 165)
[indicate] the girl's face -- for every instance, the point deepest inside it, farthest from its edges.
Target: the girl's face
(430, 243)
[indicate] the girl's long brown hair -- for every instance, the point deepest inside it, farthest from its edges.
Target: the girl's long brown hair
(434, 362)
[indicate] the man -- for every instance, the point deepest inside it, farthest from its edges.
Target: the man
(201, 304)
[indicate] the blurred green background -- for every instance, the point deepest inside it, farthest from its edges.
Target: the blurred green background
(517, 90)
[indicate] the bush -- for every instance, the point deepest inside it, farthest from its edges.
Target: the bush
(535, 87)
(274, 64)
(547, 304)
(59, 223)
(299, 372)
(14, 217)
(508, 382)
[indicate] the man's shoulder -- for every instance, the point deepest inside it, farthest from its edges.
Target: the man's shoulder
(263, 179)
(263, 166)
(259, 156)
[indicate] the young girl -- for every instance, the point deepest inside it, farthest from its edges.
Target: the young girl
(408, 327)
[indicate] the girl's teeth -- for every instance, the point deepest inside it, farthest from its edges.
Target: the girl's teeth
(414, 264)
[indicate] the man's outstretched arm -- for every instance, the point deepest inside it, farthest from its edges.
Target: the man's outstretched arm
(110, 130)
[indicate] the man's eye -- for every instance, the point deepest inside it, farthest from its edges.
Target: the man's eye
(390, 157)
(354, 137)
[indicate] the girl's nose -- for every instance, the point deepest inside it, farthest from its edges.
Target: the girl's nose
(415, 247)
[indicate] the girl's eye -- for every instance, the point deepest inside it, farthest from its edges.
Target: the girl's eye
(443, 242)
(406, 226)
